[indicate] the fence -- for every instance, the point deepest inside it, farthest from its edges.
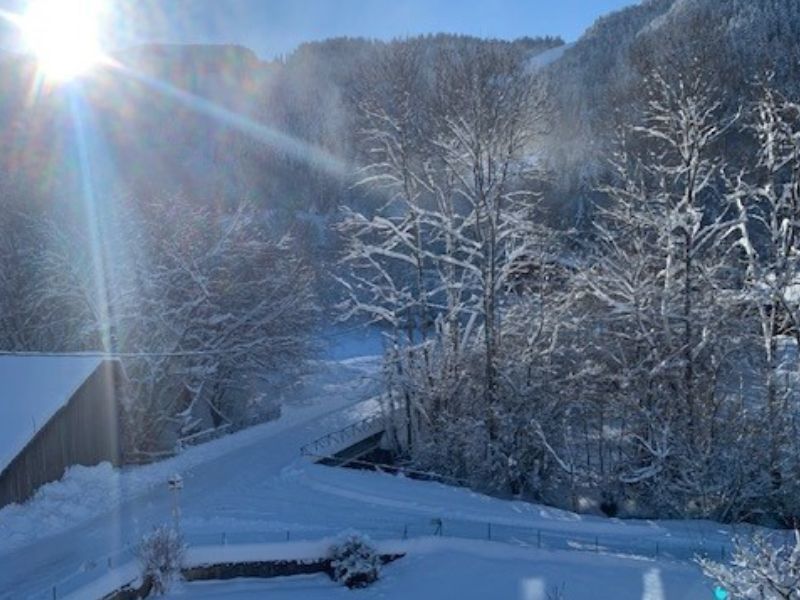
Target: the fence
(653, 548)
(687, 547)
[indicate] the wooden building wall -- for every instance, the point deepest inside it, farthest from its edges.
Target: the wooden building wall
(85, 431)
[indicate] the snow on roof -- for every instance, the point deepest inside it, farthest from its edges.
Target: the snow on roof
(32, 389)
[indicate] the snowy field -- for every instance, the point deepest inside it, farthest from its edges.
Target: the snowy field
(439, 569)
(254, 487)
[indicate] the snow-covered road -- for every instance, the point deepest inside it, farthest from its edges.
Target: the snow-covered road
(254, 487)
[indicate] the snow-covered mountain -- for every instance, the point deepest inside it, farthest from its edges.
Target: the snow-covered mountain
(161, 132)
(734, 42)
(214, 122)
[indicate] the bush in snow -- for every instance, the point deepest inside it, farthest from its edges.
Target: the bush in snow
(759, 570)
(161, 554)
(355, 562)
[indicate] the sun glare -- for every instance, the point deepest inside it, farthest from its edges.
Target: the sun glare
(64, 36)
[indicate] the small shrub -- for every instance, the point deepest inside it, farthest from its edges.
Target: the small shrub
(161, 555)
(355, 562)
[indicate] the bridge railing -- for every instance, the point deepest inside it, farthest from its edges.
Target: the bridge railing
(335, 441)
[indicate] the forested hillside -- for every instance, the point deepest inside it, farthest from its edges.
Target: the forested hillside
(585, 267)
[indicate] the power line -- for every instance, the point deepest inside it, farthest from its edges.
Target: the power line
(156, 354)
(98, 354)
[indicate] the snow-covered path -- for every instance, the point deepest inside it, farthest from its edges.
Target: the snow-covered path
(254, 487)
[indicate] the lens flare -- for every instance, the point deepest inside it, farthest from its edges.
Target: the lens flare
(64, 36)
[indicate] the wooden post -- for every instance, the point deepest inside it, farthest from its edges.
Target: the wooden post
(175, 484)
(438, 525)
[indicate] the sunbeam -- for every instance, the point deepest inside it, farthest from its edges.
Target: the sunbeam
(308, 153)
(92, 220)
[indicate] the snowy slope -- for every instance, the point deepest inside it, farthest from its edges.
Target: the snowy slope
(253, 487)
(548, 57)
(32, 389)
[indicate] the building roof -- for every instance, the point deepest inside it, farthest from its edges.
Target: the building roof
(32, 389)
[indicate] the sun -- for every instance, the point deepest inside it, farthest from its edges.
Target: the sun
(64, 35)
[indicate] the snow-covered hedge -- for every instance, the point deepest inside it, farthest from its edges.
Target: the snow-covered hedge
(355, 562)
(161, 554)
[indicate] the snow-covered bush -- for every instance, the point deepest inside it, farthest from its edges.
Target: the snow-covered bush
(161, 554)
(760, 569)
(355, 562)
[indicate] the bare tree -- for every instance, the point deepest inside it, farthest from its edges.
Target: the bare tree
(193, 300)
(661, 278)
(491, 111)
(767, 199)
(761, 568)
(450, 152)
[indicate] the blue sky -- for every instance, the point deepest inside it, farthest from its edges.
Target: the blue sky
(272, 27)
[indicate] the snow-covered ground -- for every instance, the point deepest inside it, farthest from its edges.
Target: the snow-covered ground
(253, 487)
(467, 570)
(343, 341)
(67, 534)
(331, 396)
